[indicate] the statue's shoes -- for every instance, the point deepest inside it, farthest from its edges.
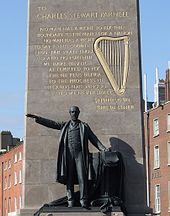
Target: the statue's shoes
(84, 204)
(70, 204)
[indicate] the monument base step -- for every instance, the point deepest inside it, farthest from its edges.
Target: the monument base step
(76, 211)
(82, 214)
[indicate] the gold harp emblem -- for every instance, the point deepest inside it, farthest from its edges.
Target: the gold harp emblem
(113, 55)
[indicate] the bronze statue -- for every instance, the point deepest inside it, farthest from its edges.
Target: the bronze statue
(73, 154)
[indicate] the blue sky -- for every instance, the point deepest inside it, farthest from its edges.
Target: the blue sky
(155, 47)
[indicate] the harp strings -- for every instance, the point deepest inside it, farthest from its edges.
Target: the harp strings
(113, 52)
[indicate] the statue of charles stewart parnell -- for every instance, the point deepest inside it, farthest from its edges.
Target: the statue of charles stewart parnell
(73, 154)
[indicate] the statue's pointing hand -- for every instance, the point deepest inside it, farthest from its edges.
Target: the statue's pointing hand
(31, 116)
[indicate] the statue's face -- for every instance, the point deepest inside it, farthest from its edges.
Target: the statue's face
(74, 113)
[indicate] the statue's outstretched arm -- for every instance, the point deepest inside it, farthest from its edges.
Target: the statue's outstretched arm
(32, 116)
(46, 122)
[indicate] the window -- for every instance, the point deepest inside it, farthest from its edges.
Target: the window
(20, 202)
(15, 178)
(9, 164)
(20, 176)
(15, 203)
(9, 181)
(5, 165)
(168, 122)
(156, 157)
(9, 204)
(5, 183)
(5, 207)
(15, 158)
(155, 127)
(20, 156)
(168, 195)
(168, 150)
(157, 199)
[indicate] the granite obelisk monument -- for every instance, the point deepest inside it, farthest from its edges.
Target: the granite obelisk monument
(84, 53)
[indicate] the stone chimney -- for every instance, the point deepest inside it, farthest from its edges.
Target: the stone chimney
(7, 141)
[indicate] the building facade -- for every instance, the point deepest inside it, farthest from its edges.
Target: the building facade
(11, 180)
(157, 143)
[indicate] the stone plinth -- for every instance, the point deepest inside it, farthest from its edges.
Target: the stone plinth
(82, 214)
(78, 211)
(30, 212)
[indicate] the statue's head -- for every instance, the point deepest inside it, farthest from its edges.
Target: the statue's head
(74, 112)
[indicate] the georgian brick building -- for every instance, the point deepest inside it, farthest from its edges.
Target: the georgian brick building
(157, 147)
(157, 143)
(11, 179)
